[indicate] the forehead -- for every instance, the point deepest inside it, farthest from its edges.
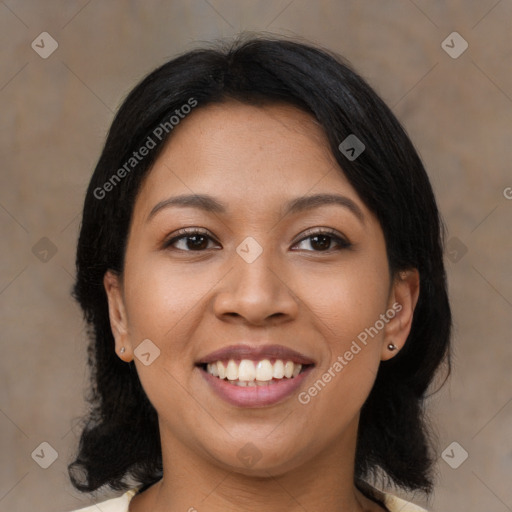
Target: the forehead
(246, 153)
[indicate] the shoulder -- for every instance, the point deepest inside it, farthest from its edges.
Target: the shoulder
(392, 502)
(119, 504)
(396, 504)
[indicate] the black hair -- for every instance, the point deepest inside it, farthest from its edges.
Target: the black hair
(120, 436)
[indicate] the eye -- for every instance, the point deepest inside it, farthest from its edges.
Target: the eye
(321, 240)
(190, 240)
(197, 240)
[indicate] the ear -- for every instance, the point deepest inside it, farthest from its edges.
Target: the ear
(117, 313)
(402, 301)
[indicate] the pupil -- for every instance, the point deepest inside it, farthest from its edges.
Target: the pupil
(322, 245)
(195, 244)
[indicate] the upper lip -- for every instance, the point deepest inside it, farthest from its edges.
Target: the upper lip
(257, 353)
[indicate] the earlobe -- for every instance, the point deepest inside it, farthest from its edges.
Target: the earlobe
(403, 300)
(117, 315)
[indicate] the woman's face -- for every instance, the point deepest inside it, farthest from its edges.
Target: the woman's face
(273, 275)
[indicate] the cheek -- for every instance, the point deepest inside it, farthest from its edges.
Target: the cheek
(347, 299)
(347, 306)
(160, 297)
(162, 304)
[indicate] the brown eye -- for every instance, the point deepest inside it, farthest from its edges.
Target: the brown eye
(190, 240)
(196, 242)
(321, 241)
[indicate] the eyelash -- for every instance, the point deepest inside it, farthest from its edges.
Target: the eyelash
(189, 232)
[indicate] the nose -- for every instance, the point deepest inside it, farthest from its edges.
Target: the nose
(257, 293)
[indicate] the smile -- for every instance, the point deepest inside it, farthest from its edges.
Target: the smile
(254, 373)
(254, 376)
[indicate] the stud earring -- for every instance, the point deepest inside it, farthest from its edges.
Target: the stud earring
(391, 346)
(122, 350)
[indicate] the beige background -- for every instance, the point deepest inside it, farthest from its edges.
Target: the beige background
(54, 117)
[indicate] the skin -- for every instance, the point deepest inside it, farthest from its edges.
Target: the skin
(190, 303)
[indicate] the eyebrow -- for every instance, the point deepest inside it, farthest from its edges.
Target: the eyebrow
(209, 204)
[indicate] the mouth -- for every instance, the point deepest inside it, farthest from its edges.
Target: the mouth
(248, 373)
(254, 377)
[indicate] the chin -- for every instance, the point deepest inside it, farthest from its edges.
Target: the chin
(264, 462)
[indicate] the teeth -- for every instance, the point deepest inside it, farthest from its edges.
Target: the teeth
(244, 384)
(249, 373)
(288, 369)
(214, 370)
(246, 370)
(220, 369)
(232, 370)
(278, 372)
(264, 370)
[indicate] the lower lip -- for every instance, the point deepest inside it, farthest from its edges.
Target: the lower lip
(255, 396)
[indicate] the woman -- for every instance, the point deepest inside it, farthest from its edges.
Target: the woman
(260, 264)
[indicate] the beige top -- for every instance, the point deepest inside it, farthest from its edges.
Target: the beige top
(393, 503)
